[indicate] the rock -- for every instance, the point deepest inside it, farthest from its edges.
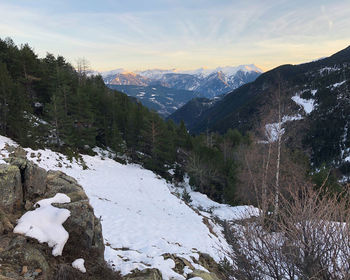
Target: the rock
(5, 223)
(34, 180)
(11, 195)
(28, 205)
(23, 183)
(19, 162)
(58, 182)
(85, 231)
(77, 196)
(146, 274)
(180, 263)
(19, 255)
(24, 270)
(67, 272)
(202, 274)
(19, 152)
(36, 258)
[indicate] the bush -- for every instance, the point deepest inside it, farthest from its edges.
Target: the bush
(186, 196)
(309, 239)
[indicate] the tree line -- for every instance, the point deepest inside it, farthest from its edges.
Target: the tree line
(46, 102)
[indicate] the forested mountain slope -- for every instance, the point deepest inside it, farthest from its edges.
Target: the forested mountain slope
(317, 91)
(46, 102)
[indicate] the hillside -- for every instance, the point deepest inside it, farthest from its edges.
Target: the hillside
(190, 113)
(144, 222)
(323, 130)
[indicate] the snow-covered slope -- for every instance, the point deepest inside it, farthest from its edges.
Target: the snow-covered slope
(142, 217)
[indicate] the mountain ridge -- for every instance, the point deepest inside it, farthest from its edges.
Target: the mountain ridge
(206, 83)
(321, 131)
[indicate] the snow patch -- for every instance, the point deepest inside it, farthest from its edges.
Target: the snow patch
(79, 264)
(3, 152)
(338, 84)
(307, 104)
(273, 130)
(222, 211)
(45, 223)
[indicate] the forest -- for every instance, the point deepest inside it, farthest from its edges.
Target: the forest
(47, 102)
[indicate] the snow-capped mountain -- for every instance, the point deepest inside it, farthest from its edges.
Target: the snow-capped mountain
(207, 82)
(201, 82)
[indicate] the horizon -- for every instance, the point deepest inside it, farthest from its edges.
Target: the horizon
(124, 70)
(183, 35)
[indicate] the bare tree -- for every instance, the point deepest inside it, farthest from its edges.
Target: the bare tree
(310, 239)
(83, 68)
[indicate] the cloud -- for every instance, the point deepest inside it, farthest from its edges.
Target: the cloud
(181, 33)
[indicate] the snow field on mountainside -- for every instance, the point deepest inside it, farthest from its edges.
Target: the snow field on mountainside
(141, 218)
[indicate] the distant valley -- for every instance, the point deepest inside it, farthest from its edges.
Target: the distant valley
(168, 90)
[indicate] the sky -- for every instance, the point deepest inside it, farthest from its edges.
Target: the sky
(181, 34)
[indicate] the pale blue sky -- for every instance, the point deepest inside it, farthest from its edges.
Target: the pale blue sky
(183, 34)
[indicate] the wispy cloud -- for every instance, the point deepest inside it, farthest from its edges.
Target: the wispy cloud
(180, 34)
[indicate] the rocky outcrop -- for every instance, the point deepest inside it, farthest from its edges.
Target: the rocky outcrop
(11, 195)
(22, 184)
(210, 269)
(146, 274)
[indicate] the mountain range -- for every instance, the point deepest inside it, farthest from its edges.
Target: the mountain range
(315, 102)
(182, 85)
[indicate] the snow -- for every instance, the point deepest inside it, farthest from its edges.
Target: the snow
(329, 69)
(222, 211)
(201, 72)
(79, 264)
(112, 72)
(4, 153)
(141, 217)
(338, 84)
(227, 70)
(45, 223)
(307, 104)
(273, 130)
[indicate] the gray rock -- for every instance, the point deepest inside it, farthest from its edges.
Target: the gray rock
(202, 274)
(11, 195)
(85, 231)
(34, 180)
(146, 274)
(58, 182)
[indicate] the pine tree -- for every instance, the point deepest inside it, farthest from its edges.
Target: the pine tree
(5, 93)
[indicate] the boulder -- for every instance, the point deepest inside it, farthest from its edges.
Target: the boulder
(58, 182)
(85, 231)
(202, 274)
(11, 194)
(146, 274)
(34, 180)
(22, 183)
